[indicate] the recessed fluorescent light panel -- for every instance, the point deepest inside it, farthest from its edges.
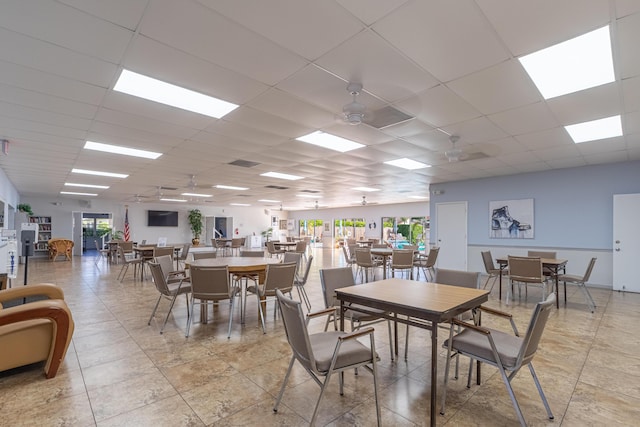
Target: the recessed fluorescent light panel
(239, 204)
(78, 194)
(596, 129)
(99, 173)
(269, 201)
(332, 142)
(116, 149)
(165, 93)
(407, 164)
(281, 176)
(71, 184)
(418, 197)
(231, 187)
(365, 189)
(173, 200)
(196, 195)
(573, 65)
(309, 196)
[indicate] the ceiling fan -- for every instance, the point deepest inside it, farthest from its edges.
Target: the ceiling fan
(454, 154)
(353, 113)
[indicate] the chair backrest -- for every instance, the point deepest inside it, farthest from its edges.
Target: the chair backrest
(296, 330)
(203, 255)
(465, 279)
(542, 254)
(292, 257)
(280, 276)
(271, 248)
(121, 254)
(126, 246)
(97, 245)
(432, 257)
(301, 246)
(289, 239)
(347, 258)
(236, 243)
(210, 283)
(185, 251)
(159, 251)
(253, 254)
(402, 258)
(487, 259)
(306, 272)
(332, 279)
(587, 274)
(363, 257)
(159, 279)
(534, 330)
(410, 247)
(525, 269)
(166, 264)
(214, 243)
(379, 245)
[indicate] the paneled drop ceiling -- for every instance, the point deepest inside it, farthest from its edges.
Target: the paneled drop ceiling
(450, 65)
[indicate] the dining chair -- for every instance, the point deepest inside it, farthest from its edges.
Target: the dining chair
(427, 265)
(506, 352)
(203, 255)
(182, 257)
(166, 265)
(326, 353)
(581, 281)
(103, 254)
(278, 276)
(159, 251)
(491, 270)
(366, 263)
(402, 259)
(168, 291)
(299, 283)
(211, 285)
(236, 245)
(464, 279)
(126, 262)
(349, 257)
(301, 248)
(527, 271)
(548, 272)
(271, 249)
(340, 277)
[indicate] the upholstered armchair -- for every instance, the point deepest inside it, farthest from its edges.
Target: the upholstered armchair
(34, 331)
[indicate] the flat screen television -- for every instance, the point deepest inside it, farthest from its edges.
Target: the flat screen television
(162, 218)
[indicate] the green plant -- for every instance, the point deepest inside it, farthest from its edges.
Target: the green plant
(26, 208)
(117, 235)
(195, 222)
(267, 232)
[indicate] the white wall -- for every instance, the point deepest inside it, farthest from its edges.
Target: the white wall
(247, 220)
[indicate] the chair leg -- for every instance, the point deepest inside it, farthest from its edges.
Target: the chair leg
(284, 384)
(587, 296)
(390, 340)
(190, 318)
(173, 301)
(304, 297)
(154, 310)
(264, 329)
(406, 344)
(540, 392)
(230, 316)
(322, 390)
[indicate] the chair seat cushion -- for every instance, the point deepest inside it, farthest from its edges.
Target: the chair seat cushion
(363, 317)
(470, 342)
(351, 352)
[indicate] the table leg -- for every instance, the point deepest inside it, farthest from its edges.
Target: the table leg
(395, 333)
(434, 370)
(341, 315)
(500, 283)
(555, 272)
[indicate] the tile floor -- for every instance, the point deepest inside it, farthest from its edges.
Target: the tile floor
(121, 372)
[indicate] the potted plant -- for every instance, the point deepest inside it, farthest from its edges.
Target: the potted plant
(266, 233)
(26, 208)
(195, 222)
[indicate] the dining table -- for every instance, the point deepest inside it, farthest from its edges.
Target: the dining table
(385, 254)
(287, 246)
(420, 304)
(236, 265)
(552, 264)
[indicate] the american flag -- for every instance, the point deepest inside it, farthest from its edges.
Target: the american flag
(127, 232)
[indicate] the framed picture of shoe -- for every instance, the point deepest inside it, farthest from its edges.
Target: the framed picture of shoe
(511, 219)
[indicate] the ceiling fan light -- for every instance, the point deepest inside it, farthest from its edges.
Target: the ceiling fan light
(354, 113)
(453, 155)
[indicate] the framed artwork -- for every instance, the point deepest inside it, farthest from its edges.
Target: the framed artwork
(283, 224)
(274, 221)
(327, 227)
(511, 219)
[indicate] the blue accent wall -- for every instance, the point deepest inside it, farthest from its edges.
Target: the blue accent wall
(573, 208)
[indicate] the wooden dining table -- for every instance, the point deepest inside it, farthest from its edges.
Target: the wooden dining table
(419, 304)
(236, 265)
(552, 264)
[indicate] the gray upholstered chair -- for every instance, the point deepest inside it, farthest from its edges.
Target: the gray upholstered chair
(211, 285)
(126, 262)
(549, 273)
(527, 271)
(182, 257)
(271, 249)
(349, 256)
(581, 282)
(507, 352)
(366, 264)
(168, 291)
(491, 270)
(335, 278)
(427, 265)
(402, 259)
(278, 276)
(325, 353)
(166, 265)
(299, 283)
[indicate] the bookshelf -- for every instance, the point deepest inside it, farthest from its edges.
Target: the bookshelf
(43, 235)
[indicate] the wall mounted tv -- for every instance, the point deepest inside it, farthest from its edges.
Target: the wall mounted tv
(162, 218)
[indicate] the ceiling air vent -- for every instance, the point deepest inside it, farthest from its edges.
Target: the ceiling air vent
(276, 187)
(244, 163)
(309, 191)
(385, 117)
